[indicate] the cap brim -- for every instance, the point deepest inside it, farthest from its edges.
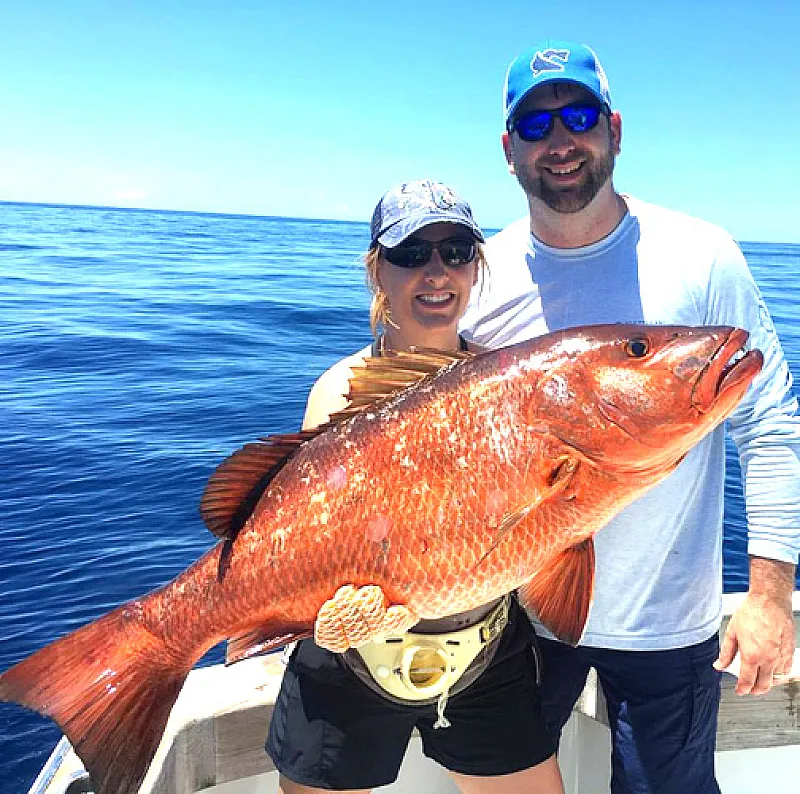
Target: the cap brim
(402, 230)
(549, 81)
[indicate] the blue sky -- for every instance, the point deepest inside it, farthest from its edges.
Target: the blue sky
(313, 108)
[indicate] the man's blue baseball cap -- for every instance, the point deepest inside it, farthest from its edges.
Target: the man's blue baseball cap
(411, 206)
(554, 62)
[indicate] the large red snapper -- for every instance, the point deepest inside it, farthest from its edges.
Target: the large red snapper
(492, 475)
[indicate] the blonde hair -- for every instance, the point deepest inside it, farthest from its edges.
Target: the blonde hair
(379, 311)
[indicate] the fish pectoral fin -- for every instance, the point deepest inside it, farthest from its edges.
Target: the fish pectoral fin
(260, 641)
(560, 480)
(561, 593)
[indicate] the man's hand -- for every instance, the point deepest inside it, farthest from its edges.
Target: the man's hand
(762, 628)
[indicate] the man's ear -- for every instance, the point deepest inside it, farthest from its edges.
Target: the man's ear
(508, 151)
(615, 125)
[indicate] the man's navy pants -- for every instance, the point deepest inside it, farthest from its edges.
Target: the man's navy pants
(662, 710)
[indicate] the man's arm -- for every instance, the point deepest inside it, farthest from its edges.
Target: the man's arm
(766, 430)
(762, 628)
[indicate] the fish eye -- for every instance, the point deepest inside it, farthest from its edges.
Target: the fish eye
(637, 348)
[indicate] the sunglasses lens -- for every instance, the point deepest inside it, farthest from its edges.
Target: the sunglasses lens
(409, 255)
(534, 126)
(457, 251)
(580, 118)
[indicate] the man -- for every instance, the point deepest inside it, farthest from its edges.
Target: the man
(588, 254)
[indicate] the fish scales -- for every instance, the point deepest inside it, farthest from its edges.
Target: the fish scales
(491, 475)
(384, 528)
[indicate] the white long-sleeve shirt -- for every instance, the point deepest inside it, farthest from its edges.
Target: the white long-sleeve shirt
(659, 562)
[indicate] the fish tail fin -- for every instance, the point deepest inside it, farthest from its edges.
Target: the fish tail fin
(110, 686)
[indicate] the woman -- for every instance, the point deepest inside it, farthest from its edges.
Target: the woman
(343, 721)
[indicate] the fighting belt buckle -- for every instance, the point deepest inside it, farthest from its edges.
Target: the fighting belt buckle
(421, 666)
(494, 622)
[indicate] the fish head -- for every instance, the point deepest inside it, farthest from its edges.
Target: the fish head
(637, 398)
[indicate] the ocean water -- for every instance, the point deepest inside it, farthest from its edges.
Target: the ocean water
(137, 350)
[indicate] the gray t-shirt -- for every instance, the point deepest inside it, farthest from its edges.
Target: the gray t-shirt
(659, 562)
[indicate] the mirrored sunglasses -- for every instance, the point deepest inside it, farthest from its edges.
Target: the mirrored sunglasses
(536, 125)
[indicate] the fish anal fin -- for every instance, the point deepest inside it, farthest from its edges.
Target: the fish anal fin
(352, 617)
(260, 641)
(561, 593)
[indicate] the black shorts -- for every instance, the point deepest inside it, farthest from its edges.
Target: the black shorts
(330, 731)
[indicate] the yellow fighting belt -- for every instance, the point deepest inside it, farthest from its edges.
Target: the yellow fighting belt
(413, 666)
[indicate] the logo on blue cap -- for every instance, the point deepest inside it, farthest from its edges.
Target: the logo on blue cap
(549, 61)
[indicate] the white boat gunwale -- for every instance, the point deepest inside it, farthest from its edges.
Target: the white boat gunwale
(217, 727)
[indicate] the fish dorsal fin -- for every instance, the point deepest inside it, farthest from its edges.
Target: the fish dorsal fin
(380, 377)
(561, 593)
(234, 488)
(239, 481)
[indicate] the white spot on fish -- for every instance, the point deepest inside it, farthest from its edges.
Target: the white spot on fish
(557, 388)
(337, 477)
(279, 539)
(612, 381)
(572, 345)
(496, 505)
(378, 529)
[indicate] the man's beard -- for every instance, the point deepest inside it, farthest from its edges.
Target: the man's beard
(568, 199)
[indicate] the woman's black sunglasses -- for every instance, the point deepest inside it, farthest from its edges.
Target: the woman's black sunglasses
(454, 252)
(536, 125)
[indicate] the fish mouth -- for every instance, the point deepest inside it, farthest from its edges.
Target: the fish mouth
(729, 372)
